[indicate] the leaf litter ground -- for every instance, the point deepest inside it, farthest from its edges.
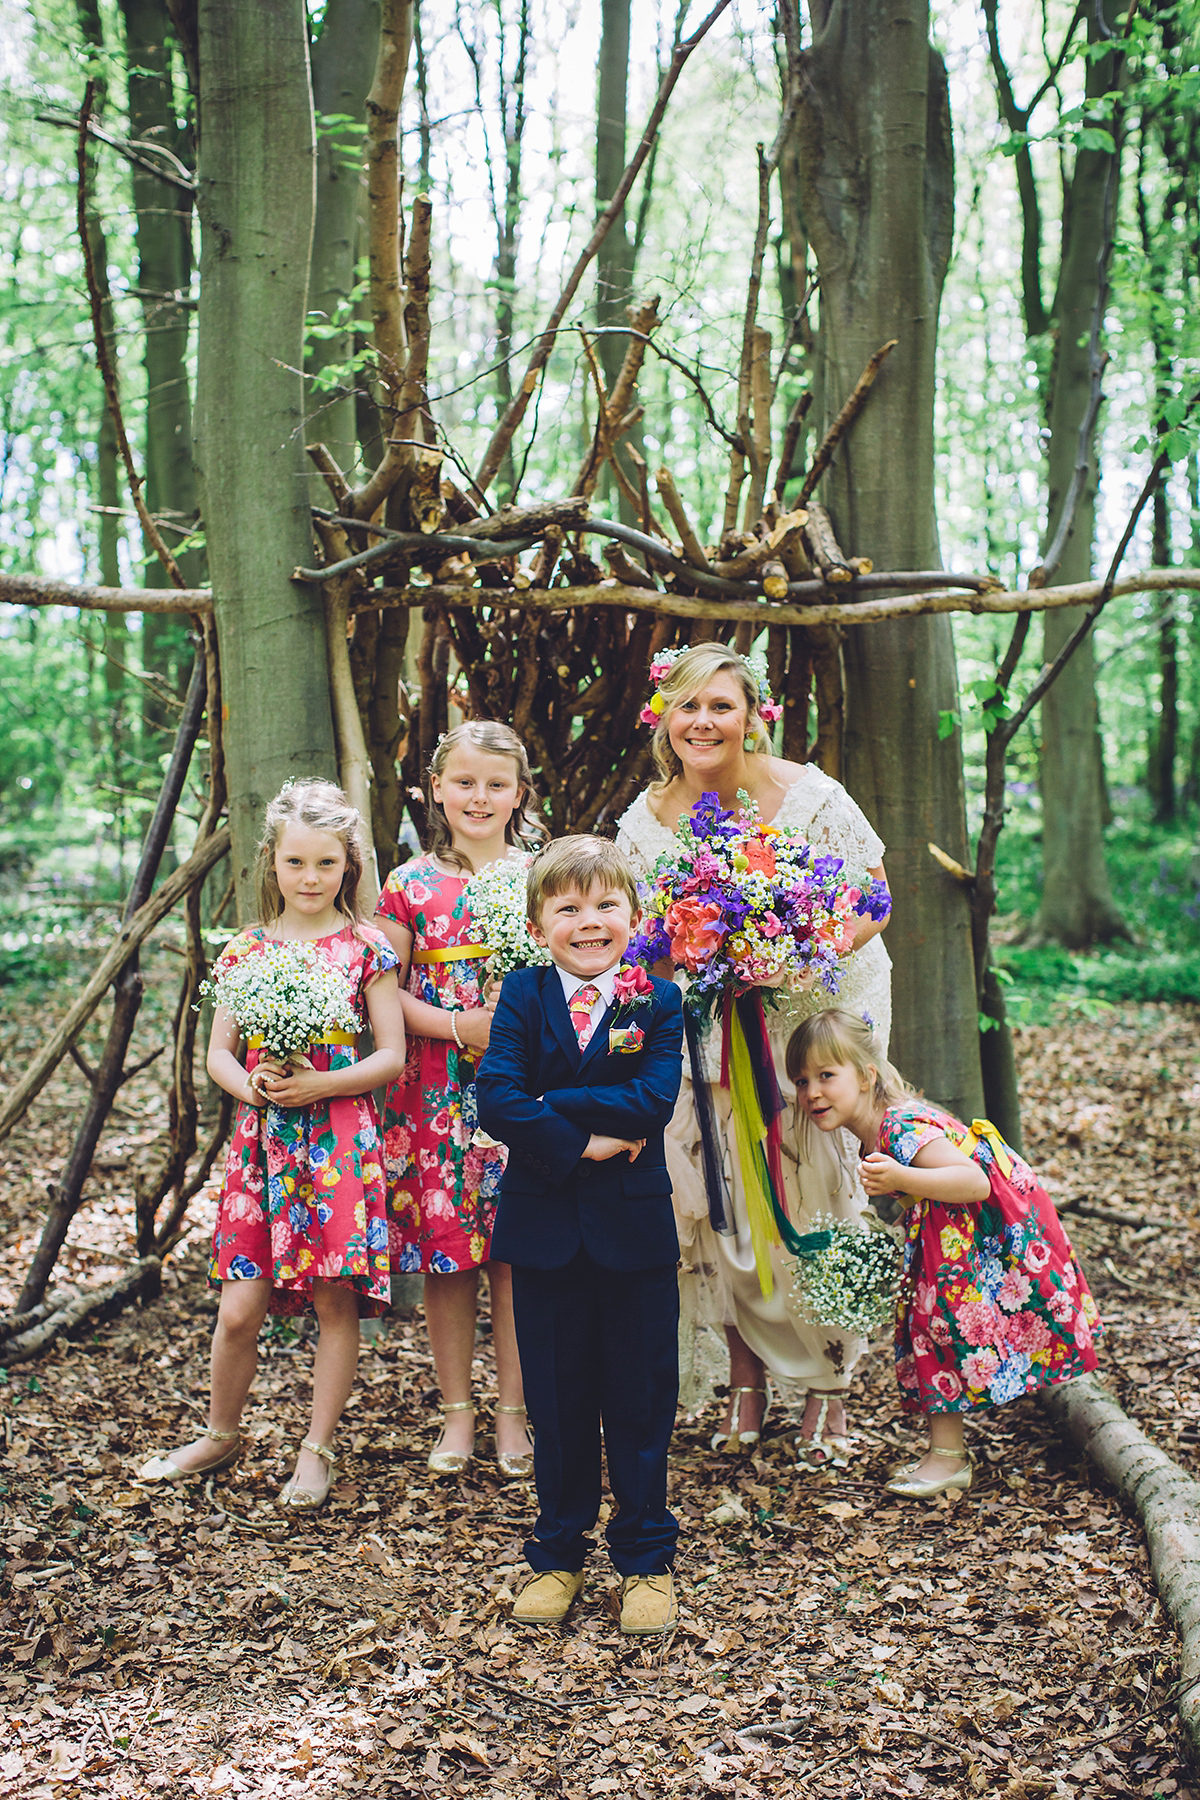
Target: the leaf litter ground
(831, 1641)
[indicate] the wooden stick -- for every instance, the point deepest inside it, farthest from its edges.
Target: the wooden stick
(844, 420)
(142, 1281)
(824, 548)
(693, 550)
(766, 612)
(791, 437)
(133, 932)
(34, 590)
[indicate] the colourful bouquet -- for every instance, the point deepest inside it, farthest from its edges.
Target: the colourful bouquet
(750, 911)
(745, 905)
(287, 994)
(846, 1276)
(496, 901)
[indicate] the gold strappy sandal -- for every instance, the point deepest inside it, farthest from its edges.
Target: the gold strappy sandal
(450, 1462)
(520, 1466)
(161, 1468)
(298, 1499)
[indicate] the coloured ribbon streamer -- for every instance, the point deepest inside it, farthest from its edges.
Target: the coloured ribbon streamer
(715, 1184)
(748, 1071)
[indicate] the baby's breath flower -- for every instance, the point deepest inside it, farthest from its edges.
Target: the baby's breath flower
(287, 993)
(496, 900)
(851, 1285)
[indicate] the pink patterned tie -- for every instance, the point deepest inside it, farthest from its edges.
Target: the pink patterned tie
(580, 1008)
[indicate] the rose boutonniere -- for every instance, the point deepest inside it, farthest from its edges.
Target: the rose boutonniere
(633, 987)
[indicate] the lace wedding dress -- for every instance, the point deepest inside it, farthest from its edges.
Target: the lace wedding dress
(718, 1283)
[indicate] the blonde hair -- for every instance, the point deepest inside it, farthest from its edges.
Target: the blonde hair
(582, 862)
(834, 1036)
(688, 675)
(493, 739)
(320, 806)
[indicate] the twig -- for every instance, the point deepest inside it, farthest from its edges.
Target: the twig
(844, 420)
(503, 435)
(108, 373)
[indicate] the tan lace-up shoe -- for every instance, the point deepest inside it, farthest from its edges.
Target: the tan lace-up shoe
(548, 1598)
(647, 1605)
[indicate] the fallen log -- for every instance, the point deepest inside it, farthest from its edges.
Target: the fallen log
(140, 1282)
(1166, 1500)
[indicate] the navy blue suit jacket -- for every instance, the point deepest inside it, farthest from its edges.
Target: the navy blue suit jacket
(539, 1095)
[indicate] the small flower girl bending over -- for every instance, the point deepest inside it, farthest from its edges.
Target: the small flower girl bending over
(992, 1301)
(443, 1175)
(302, 1219)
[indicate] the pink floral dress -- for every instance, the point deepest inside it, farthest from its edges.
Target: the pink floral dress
(304, 1197)
(992, 1303)
(442, 1188)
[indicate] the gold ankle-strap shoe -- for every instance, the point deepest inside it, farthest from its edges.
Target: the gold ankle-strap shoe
(911, 1486)
(648, 1605)
(293, 1498)
(161, 1468)
(548, 1598)
(449, 1462)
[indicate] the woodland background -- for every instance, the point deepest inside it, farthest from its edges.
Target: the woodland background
(1066, 336)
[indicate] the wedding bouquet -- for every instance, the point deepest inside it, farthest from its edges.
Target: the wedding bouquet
(848, 1278)
(496, 901)
(287, 994)
(741, 905)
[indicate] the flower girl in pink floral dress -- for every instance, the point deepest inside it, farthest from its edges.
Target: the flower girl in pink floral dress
(303, 1213)
(992, 1302)
(442, 1179)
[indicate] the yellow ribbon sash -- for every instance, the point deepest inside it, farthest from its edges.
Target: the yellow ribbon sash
(455, 953)
(983, 1131)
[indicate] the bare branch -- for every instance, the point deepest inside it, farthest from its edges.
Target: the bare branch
(844, 420)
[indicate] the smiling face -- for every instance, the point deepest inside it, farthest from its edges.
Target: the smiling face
(707, 731)
(834, 1094)
(585, 933)
(309, 867)
(478, 791)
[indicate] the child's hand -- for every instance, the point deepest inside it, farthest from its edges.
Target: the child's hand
(290, 1084)
(475, 1027)
(883, 1174)
(603, 1149)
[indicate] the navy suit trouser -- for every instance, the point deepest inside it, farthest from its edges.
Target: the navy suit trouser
(600, 1347)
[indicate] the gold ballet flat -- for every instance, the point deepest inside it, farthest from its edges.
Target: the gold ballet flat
(297, 1499)
(911, 1486)
(520, 1466)
(161, 1468)
(450, 1462)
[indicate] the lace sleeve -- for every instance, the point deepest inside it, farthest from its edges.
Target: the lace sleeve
(841, 824)
(642, 838)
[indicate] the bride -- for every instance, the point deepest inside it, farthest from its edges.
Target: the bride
(710, 736)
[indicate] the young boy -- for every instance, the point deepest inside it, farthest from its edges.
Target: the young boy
(580, 1077)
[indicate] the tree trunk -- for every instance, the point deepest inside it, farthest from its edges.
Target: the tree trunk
(255, 200)
(343, 61)
(876, 173)
(164, 241)
(615, 258)
(1077, 906)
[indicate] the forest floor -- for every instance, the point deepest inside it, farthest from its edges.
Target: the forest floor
(831, 1641)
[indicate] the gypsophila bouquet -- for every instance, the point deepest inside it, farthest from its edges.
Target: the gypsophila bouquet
(743, 905)
(287, 994)
(850, 1281)
(496, 901)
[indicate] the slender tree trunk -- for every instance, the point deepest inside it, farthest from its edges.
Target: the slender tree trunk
(255, 199)
(876, 174)
(615, 258)
(343, 61)
(1077, 905)
(108, 483)
(1164, 737)
(164, 241)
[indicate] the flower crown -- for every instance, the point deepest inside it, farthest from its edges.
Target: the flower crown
(665, 661)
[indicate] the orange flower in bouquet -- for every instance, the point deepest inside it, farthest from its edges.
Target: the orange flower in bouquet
(695, 930)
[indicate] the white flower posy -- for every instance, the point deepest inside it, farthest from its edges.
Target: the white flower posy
(851, 1285)
(496, 900)
(287, 994)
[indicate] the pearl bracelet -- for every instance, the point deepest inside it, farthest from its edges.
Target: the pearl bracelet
(454, 1029)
